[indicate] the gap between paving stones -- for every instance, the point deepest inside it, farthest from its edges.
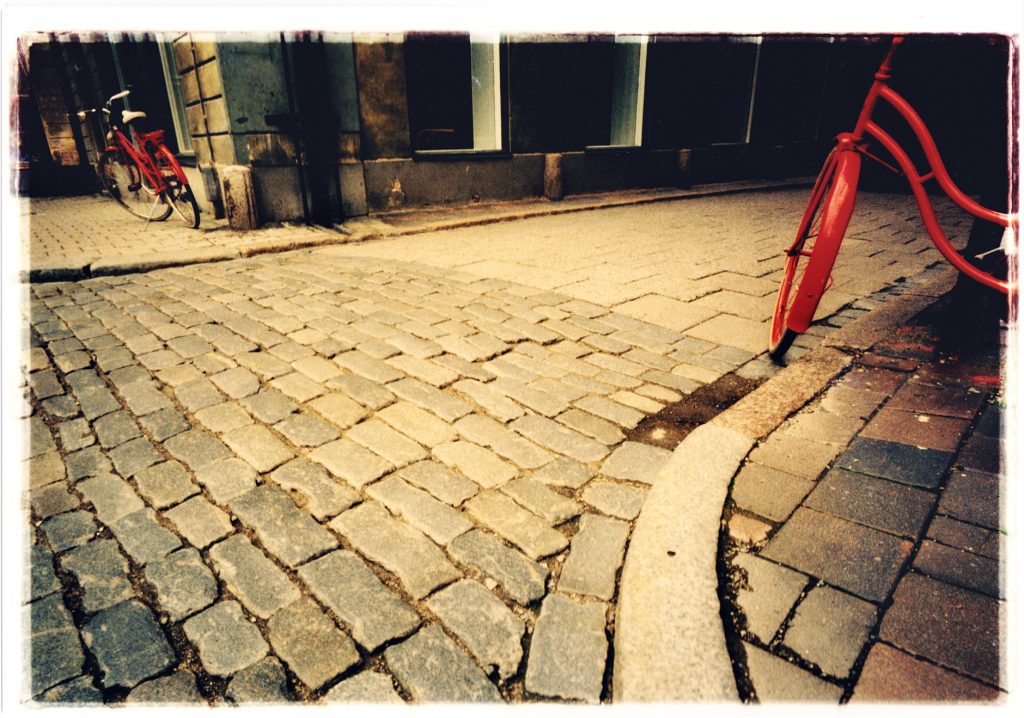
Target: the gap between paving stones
(670, 642)
(375, 227)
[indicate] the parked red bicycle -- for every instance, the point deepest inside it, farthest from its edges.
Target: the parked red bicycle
(810, 258)
(141, 174)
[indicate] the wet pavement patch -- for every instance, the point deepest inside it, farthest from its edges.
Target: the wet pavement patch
(673, 423)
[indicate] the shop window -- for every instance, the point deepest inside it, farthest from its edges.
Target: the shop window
(740, 65)
(453, 87)
(629, 73)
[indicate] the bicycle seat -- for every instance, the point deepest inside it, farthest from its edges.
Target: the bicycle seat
(127, 116)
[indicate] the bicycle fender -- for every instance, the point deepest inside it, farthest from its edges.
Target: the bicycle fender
(834, 220)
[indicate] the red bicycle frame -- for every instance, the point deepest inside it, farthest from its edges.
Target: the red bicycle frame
(146, 160)
(839, 205)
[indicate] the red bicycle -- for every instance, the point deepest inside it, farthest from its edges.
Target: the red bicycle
(810, 258)
(141, 174)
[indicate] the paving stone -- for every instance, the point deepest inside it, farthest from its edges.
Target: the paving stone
(178, 375)
(365, 687)
(142, 537)
(165, 484)
(559, 439)
(113, 497)
(436, 519)
(668, 380)
(297, 386)
(176, 689)
(65, 531)
(189, 346)
(227, 642)
(929, 619)
(197, 449)
(349, 461)
(199, 522)
(564, 472)
(162, 425)
(769, 492)
(54, 648)
(309, 642)
(535, 496)
(44, 384)
(384, 441)
(981, 453)
(41, 580)
(890, 675)
(524, 529)
(223, 417)
(373, 613)
(79, 691)
(863, 561)
(959, 568)
(967, 537)
(488, 432)
(101, 571)
(928, 432)
(364, 391)
(75, 434)
(635, 462)
(288, 533)
(418, 424)
(263, 364)
(401, 549)
(338, 409)
(830, 629)
(197, 394)
(851, 402)
(61, 407)
(491, 631)
(896, 462)
(747, 531)
(440, 481)
(367, 367)
(619, 500)
(433, 669)
(71, 361)
(305, 430)
(143, 398)
(776, 680)
(262, 682)
(604, 431)
(444, 405)
(767, 594)
(477, 463)
(128, 644)
(536, 399)
(491, 400)
(312, 489)
(595, 555)
(972, 496)
(269, 406)
(952, 401)
(800, 457)
(184, 585)
(568, 650)
(424, 370)
(52, 499)
(873, 502)
(258, 446)
(226, 478)
(316, 368)
(133, 456)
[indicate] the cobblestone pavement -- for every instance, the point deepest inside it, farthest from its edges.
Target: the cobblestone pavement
(866, 534)
(389, 471)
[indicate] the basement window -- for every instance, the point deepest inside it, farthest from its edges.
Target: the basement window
(453, 87)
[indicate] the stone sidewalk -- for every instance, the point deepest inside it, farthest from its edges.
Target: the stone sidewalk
(865, 533)
(395, 470)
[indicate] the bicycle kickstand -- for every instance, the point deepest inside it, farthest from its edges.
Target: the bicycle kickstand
(150, 217)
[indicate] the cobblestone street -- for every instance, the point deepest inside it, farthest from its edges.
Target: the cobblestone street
(394, 470)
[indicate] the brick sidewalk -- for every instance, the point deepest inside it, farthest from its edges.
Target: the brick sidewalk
(866, 531)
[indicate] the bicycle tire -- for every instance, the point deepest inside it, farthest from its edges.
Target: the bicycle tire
(184, 204)
(810, 258)
(123, 181)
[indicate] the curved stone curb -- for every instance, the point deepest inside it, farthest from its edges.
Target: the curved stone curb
(669, 639)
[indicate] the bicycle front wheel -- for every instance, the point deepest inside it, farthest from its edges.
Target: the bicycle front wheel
(810, 258)
(123, 180)
(184, 204)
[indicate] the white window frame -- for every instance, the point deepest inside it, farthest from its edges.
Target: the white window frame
(174, 97)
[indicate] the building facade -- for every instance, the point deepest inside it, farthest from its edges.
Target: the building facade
(324, 126)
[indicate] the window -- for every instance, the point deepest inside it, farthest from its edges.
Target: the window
(175, 99)
(629, 74)
(453, 85)
(741, 65)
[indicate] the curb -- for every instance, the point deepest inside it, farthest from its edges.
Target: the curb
(371, 228)
(669, 639)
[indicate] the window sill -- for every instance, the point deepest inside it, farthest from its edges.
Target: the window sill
(613, 149)
(460, 155)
